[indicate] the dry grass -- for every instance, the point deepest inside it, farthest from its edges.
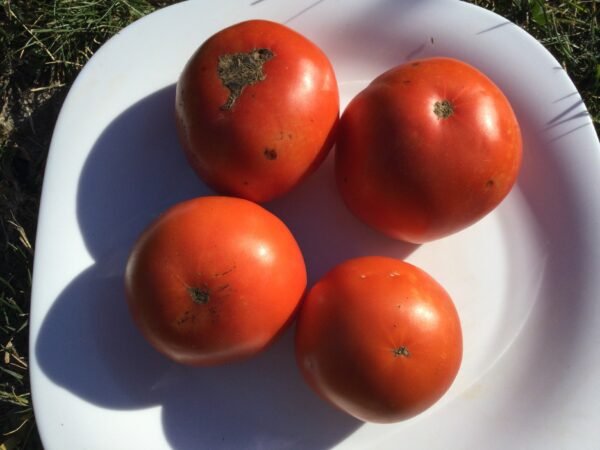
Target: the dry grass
(43, 44)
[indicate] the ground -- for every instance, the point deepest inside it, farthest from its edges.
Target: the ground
(43, 45)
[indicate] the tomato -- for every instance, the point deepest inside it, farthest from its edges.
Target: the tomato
(379, 338)
(256, 108)
(214, 280)
(427, 149)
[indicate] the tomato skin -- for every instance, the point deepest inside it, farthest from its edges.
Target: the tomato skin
(415, 175)
(378, 338)
(214, 280)
(277, 131)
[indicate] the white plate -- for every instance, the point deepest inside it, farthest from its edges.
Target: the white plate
(524, 279)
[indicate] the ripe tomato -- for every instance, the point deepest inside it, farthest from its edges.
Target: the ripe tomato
(379, 338)
(428, 148)
(213, 280)
(256, 109)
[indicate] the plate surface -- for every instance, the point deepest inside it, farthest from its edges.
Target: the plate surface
(524, 278)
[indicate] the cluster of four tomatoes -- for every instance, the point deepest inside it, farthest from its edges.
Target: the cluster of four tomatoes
(426, 149)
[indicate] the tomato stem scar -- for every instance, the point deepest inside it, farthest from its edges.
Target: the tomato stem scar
(400, 351)
(238, 70)
(443, 109)
(199, 295)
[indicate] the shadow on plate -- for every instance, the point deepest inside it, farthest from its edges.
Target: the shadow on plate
(89, 345)
(368, 37)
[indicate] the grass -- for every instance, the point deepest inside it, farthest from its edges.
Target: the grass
(43, 45)
(569, 30)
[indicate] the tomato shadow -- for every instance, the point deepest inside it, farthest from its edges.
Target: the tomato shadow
(260, 403)
(88, 344)
(134, 172)
(326, 230)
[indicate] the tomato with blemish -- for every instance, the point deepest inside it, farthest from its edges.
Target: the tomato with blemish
(257, 105)
(379, 338)
(214, 280)
(427, 149)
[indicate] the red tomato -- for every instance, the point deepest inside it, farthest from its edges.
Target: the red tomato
(214, 280)
(256, 108)
(427, 149)
(379, 338)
